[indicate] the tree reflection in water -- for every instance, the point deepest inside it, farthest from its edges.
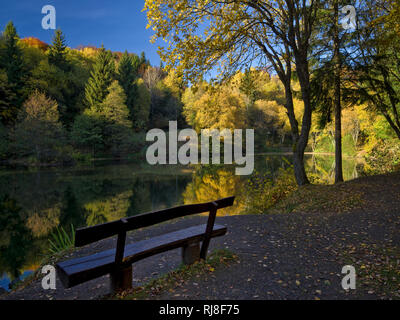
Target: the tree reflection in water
(34, 204)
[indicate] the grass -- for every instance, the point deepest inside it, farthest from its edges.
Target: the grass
(171, 280)
(61, 240)
(60, 244)
(342, 197)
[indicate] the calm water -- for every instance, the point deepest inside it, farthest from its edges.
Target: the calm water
(107, 191)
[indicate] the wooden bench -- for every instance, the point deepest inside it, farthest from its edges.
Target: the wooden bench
(118, 262)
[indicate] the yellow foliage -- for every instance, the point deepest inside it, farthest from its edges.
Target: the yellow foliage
(218, 184)
(43, 221)
(109, 209)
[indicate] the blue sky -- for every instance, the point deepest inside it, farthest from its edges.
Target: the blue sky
(120, 25)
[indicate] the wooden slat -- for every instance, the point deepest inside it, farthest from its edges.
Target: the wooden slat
(88, 235)
(76, 271)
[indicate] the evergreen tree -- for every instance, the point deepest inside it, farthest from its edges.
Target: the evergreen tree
(117, 126)
(7, 109)
(143, 59)
(3, 142)
(57, 51)
(127, 74)
(12, 55)
(87, 132)
(114, 108)
(101, 78)
(142, 105)
(11, 60)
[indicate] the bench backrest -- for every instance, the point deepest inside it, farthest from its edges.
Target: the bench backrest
(92, 234)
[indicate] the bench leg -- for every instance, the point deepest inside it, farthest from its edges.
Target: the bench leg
(121, 279)
(191, 253)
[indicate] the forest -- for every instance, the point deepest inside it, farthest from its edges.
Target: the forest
(61, 106)
(64, 106)
(320, 88)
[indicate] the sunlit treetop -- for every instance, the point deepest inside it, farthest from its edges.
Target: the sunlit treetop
(227, 35)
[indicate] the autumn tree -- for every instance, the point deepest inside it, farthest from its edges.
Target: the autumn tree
(38, 131)
(376, 61)
(151, 77)
(105, 126)
(218, 108)
(231, 34)
(117, 130)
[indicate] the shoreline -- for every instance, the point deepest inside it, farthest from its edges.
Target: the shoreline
(301, 242)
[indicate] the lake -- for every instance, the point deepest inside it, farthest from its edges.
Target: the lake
(107, 190)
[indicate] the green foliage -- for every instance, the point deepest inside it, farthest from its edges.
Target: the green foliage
(38, 131)
(86, 132)
(11, 55)
(101, 78)
(142, 106)
(11, 60)
(61, 240)
(3, 142)
(117, 130)
(57, 51)
(7, 99)
(107, 125)
(127, 74)
(66, 87)
(165, 106)
(383, 158)
(265, 192)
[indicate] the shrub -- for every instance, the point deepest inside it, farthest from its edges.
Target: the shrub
(383, 158)
(264, 192)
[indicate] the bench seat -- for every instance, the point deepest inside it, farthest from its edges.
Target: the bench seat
(79, 270)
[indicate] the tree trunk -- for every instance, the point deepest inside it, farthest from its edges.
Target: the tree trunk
(338, 107)
(298, 147)
(299, 169)
(301, 144)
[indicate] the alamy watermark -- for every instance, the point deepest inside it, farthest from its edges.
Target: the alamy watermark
(49, 20)
(49, 280)
(349, 280)
(188, 153)
(349, 20)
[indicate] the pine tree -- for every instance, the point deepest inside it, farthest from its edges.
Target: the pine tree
(57, 50)
(101, 78)
(114, 108)
(7, 109)
(12, 62)
(117, 126)
(127, 74)
(12, 55)
(143, 59)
